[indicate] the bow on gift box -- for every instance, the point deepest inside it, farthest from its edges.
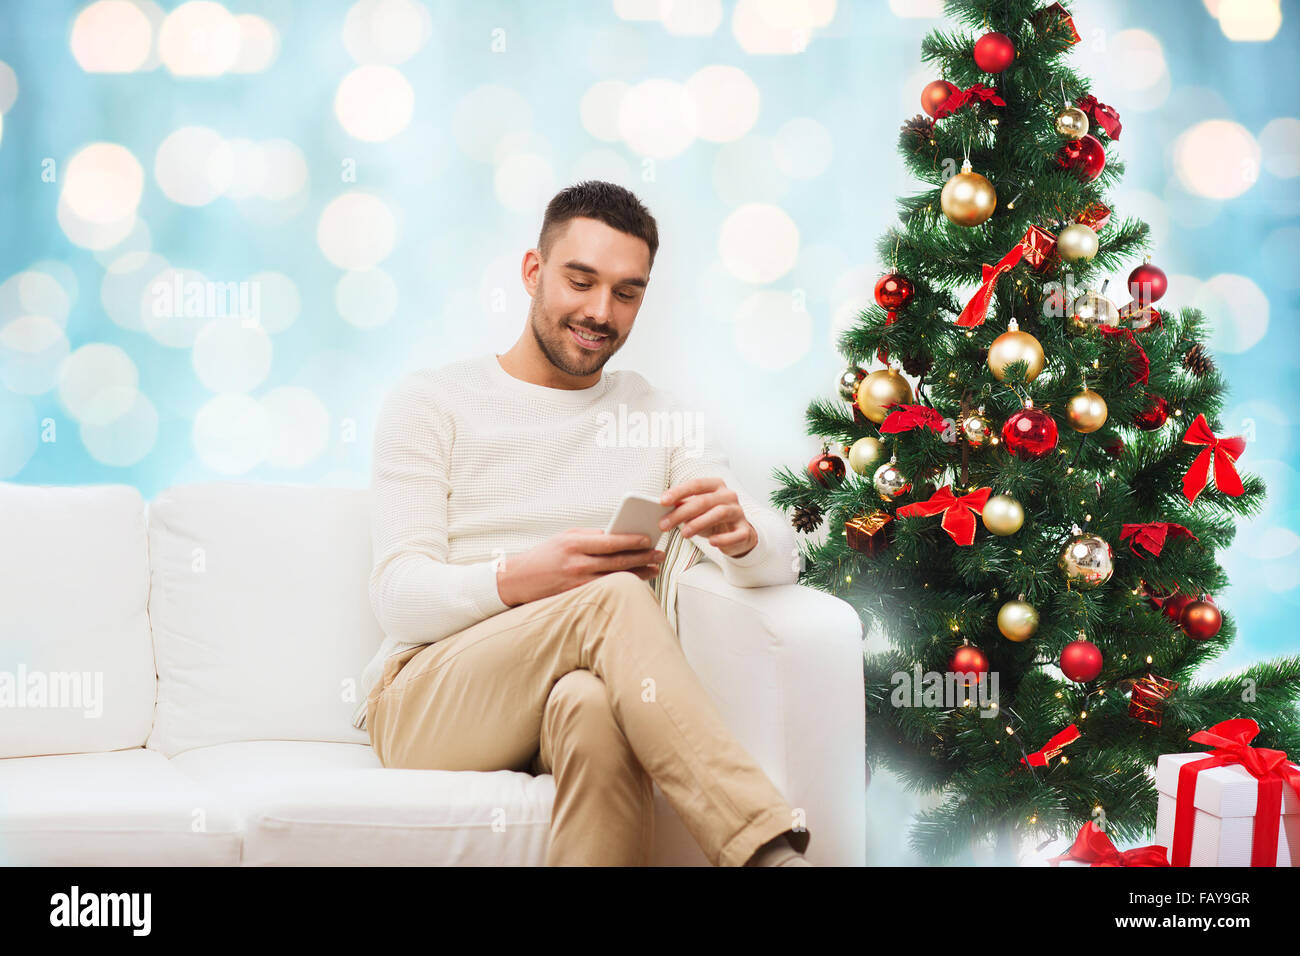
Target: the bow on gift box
(1231, 742)
(1052, 748)
(1141, 364)
(956, 101)
(1093, 846)
(1224, 452)
(906, 417)
(958, 513)
(1151, 536)
(1036, 245)
(1099, 114)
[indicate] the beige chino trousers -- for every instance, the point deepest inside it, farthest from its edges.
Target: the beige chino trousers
(591, 685)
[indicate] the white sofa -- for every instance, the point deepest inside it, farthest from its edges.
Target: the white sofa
(200, 658)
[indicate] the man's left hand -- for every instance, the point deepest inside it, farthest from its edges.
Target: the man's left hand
(709, 507)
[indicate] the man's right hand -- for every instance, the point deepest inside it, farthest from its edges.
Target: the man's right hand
(572, 558)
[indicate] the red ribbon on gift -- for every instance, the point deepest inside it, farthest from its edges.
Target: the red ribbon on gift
(1099, 114)
(1231, 742)
(1151, 535)
(1095, 216)
(906, 417)
(1052, 748)
(956, 101)
(1140, 362)
(958, 513)
(1093, 846)
(1065, 22)
(1223, 451)
(1034, 248)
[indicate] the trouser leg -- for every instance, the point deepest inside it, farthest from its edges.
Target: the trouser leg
(603, 813)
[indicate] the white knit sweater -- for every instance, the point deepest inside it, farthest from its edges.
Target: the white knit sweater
(471, 463)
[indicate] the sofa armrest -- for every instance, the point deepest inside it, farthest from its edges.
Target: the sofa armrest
(783, 664)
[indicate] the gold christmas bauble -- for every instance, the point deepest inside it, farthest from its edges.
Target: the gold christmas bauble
(968, 199)
(1003, 515)
(1017, 620)
(865, 453)
(1086, 412)
(1072, 123)
(1016, 346)
(1087, 561)
(882, 387)
(977, 429)
(1092, 310)
(889, 481)
(1077, 243)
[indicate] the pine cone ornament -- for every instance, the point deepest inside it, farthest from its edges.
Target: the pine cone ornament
(919, 127)
(1197, 361)
(807, 518)
(917, 364)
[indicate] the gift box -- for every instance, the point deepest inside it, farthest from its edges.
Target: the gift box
(869, 533)
(1237, 805)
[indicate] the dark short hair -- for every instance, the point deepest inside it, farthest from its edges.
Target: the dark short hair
(595, 199)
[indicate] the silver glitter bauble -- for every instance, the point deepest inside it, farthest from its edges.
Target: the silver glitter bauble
(889, 481)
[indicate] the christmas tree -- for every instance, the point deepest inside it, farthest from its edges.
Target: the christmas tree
(1038, 478)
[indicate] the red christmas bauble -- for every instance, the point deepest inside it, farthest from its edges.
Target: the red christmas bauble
(1115, 448)
(826, 469)
(1172, 606)
(1029, 433)
(894, 291)
(1156, 414)
(1200, 620)
(969, 660)
(994, 52)
(1086, 156)
(934, 93)
(1147, 283)
(1081, 661)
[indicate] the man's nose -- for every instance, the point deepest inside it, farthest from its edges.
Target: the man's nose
(600, 305)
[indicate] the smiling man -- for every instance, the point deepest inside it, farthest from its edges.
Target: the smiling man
(520, 636)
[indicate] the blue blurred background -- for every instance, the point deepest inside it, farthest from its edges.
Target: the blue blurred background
(230, 228)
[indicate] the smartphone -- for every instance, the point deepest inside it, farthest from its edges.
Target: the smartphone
(639, 514)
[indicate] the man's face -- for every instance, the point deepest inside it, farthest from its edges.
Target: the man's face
(592, 282)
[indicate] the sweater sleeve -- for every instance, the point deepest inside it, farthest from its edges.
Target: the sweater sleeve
(775, 558)
(416, 596)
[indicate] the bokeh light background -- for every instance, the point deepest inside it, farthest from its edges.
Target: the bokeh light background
(351, 186)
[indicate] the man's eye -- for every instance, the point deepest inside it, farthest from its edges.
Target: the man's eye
(580, 285)
(627, 296)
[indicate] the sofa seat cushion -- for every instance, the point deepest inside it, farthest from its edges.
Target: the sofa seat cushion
(118, 808)
(317, 803)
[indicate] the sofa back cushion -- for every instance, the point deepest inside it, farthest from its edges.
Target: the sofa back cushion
(76, 662)
(261, 612)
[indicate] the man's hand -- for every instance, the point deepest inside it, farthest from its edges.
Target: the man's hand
(571, 558)
(709, 507)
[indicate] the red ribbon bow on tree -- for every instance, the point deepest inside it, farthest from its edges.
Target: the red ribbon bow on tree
(958, 513)
(1141, 364)
(956, 101)
(1099, 114)
(1034, 248)
(1093, 846)
(1223, 451)
(1052, 748)
(1231, 742)
(1151, 536)
(906, 417)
